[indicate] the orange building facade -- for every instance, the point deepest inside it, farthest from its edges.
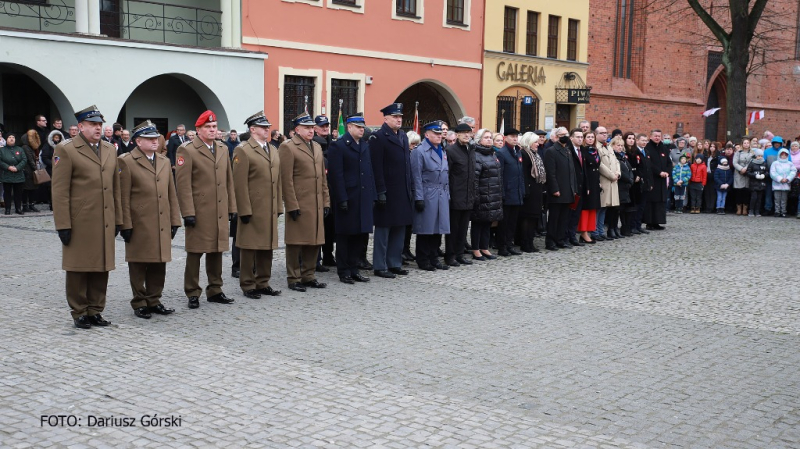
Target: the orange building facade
(323, 53)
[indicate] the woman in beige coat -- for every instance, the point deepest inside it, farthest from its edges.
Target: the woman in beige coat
(609, 189)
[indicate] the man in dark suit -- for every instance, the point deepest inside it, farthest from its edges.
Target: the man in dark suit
(562, 185)
(353, 194)
(575, 143)
(126, 145)
(463, 188)
(175, 140)
(322, 135)
(391, 166)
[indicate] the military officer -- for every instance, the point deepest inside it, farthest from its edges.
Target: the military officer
(322, 135)
(391, 165)
(429, 171)
(257, 181)
(87, 215)
(305, 195)
(207, 201)
(150, 219)
(353, 191)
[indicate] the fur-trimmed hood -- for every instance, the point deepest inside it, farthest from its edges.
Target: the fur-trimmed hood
(50, 137)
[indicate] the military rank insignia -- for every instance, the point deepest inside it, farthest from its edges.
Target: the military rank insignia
(180, 161)
(236, 160)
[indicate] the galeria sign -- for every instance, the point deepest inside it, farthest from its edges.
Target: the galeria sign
(523, 73)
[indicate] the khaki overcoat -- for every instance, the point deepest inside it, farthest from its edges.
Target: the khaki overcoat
(149, 206)
(257, 181)
(609, 172)
(86, 199)
(205, 191)
(305, 187)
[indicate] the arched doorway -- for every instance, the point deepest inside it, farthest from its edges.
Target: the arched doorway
(716, 124)
(519, 107)
(170, 100)
(25, 93)
(436, 102)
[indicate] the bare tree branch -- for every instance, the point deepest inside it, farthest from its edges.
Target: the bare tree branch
(723, 36)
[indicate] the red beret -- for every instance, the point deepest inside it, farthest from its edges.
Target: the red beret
(205, 117)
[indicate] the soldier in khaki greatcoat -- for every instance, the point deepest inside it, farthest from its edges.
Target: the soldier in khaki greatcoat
(257, 181)
(305, 194)
(150, 217)
(208, 203)
(87, 215)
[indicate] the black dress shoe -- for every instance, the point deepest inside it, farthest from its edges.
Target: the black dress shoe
(364, 265)
(643, 231)
(269, 291)
(384, 274)
(576, 242)
(252, 294)
(563, 245)
(658, 227)
(298, 287)
(400, 271)
(235, 273)
(453, 263)
(463, 261)
(407, 255)
(160, 309)
(504, 252)
(438, 265)
(481, 258)
(514, 252)
(590, 242)
(220, 298)
(551, 247)
(490, 256)
(439, 252)
(82, 322)
(322, 268)
(329, 261)
(142, 312)
(346, 280)
(427, 267)
(358, 277)
(97, 320)
(314, 284)
(194, 302)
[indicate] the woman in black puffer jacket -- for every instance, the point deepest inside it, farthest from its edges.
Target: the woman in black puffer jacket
(489, 200)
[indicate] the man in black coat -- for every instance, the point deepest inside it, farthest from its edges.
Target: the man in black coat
(322, 135)
(175, 140)
(562, 186)
(391, 166)
(660, 163)
(463, 188)
(353, 194)
(575, 142)
(641, 167)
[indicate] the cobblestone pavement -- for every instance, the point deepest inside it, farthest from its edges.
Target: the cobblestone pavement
(683, 338)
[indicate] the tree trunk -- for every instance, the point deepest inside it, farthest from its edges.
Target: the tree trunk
(736, 95)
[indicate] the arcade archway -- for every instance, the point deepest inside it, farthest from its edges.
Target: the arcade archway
(436, 102)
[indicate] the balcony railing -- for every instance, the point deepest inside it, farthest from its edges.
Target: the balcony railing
(56, 16)
(163, 22)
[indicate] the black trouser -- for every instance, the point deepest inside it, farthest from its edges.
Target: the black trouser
(479, 235)
(743, 196)
(330, 237)
(557, 220)
(364, 245)
(235, 255)
(574, 218)
(456, 240)
(407, 240)
(528, 226)
(16, 189)
(626, 217)
(348, 253)
(638, 215)
(28, 197)
(756, 200)
(508, 227)
(612, 217)
(428, 249)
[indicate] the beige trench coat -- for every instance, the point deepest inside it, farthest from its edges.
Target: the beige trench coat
(149, 206)
(205, 191)
(86, 199)
(609, 173)
(257, 181)
(305, 187)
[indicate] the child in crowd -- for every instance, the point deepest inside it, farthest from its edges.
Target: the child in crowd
(782, 172)
(757, 171)
(697, 182)
(723, 178)
(681, 174)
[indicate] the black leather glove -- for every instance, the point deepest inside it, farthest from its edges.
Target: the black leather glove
(126, 235)
(245, 219)
(343, 206)
(232, 216)
(419, 205)
(174, 231)
(294, 214)
(189, 221)
(381, 201)
(116, 230)
(326, 211)
(65, 235)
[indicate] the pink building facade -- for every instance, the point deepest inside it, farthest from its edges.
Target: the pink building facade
(323, 53)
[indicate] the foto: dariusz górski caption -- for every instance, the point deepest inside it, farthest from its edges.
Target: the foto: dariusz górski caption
(109, 421)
